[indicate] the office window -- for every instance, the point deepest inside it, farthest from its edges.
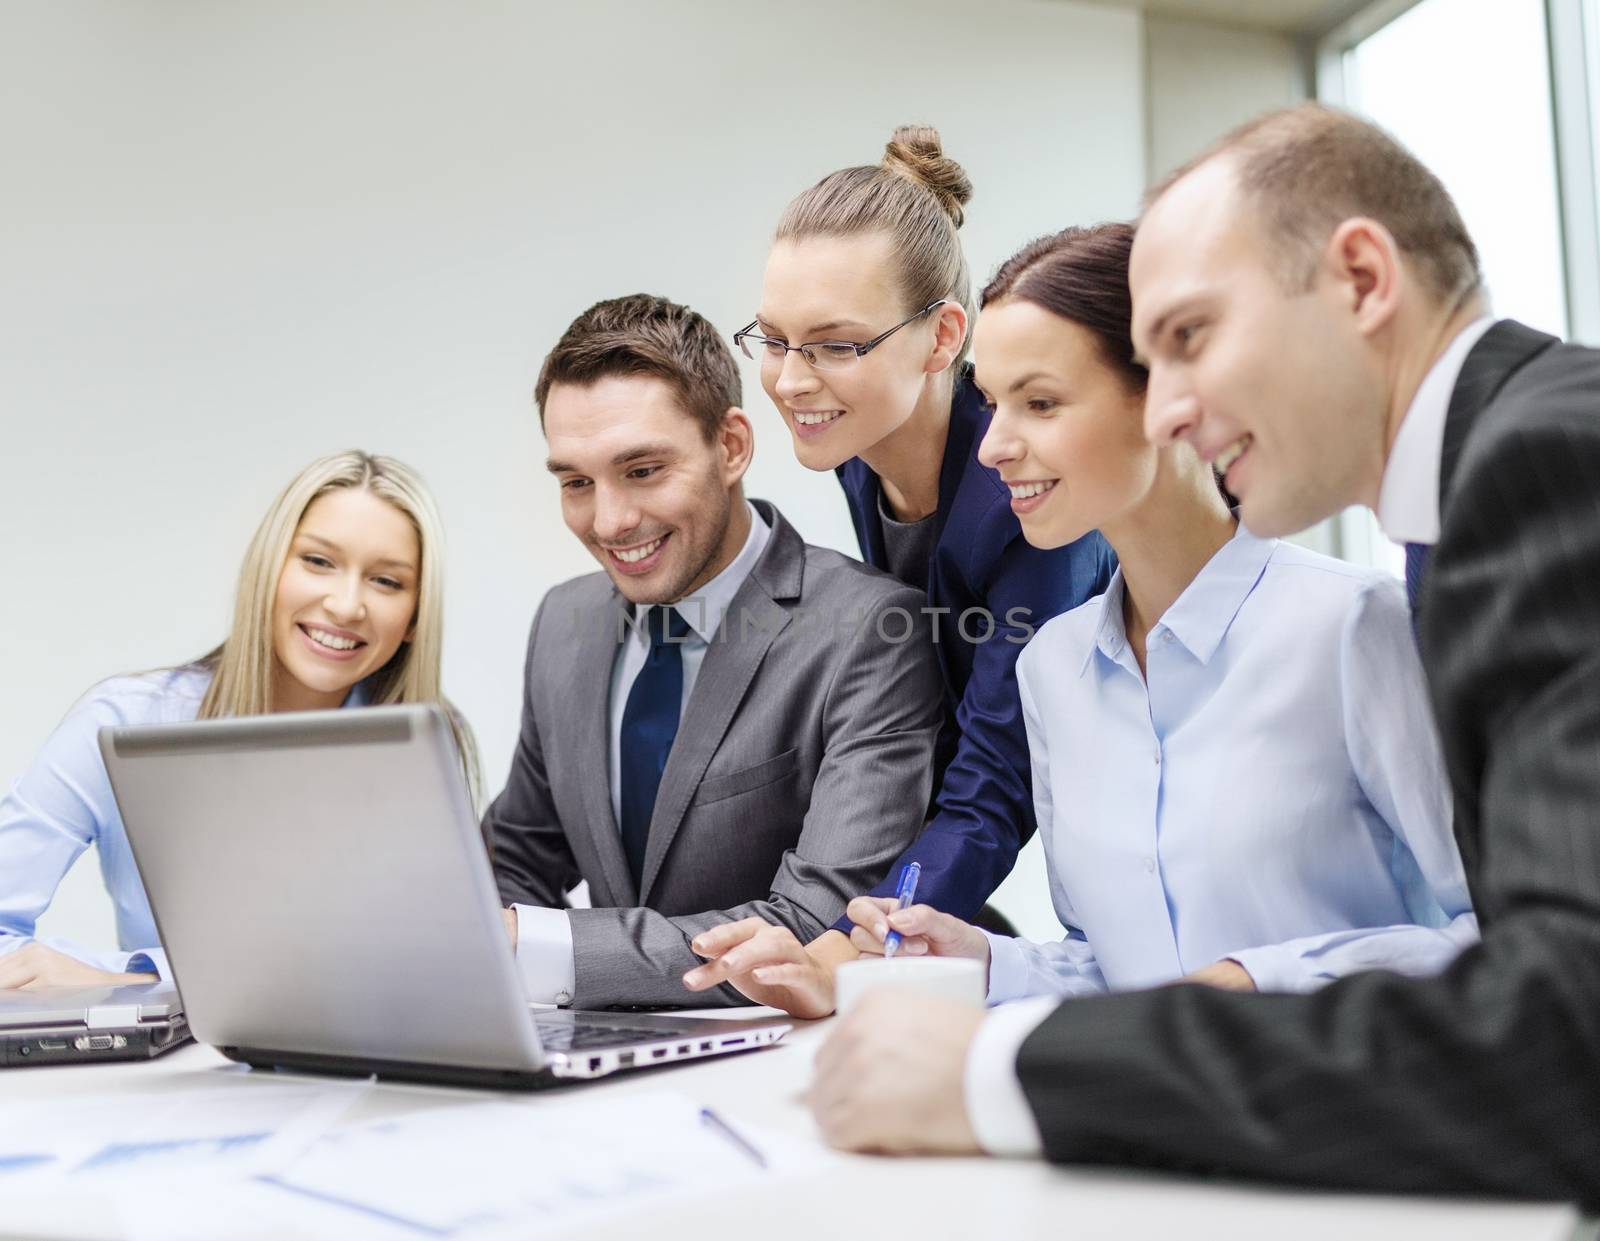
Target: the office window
(1465, 84)
(1591, 41)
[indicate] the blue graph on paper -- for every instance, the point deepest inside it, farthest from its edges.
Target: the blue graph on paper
(120, 1156)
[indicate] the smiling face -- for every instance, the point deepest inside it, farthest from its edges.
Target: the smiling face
(346, 597)
(844, 289)
(640, 486)
(1275, 388)
(1066, 434)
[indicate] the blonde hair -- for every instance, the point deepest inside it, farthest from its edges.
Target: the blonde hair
(241, 682)
(916, 196)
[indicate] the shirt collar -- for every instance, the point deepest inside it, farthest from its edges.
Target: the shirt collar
(1408, 498)
(705, 609)
(1200, 617)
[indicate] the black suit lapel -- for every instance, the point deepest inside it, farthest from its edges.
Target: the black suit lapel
(1504, 350)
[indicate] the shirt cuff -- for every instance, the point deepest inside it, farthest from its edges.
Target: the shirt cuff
(1008, 969)
(1272, 967)
(996, 1106)
(149, 961)
(544, 954)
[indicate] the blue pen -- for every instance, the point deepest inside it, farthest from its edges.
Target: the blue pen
(909, 874)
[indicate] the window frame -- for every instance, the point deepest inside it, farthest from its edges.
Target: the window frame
(1572, 33)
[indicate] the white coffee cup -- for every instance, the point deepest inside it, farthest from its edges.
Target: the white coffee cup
(955, 978)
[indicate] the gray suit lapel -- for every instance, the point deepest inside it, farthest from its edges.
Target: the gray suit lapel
(591, 725)
(753, 621)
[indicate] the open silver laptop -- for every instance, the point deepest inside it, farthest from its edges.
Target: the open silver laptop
(325, 899)
(79, 1025)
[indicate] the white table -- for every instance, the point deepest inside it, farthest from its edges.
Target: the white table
(925, 1199)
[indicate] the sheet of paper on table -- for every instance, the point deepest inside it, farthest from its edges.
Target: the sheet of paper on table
(492, 1169)
(141, 1158)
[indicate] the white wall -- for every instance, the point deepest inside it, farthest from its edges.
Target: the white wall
(239, 236)
(1204, 79)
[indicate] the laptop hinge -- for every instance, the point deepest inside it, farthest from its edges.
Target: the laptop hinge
(112, 1016)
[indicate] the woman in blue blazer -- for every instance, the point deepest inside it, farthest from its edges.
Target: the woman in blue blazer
(862, 340)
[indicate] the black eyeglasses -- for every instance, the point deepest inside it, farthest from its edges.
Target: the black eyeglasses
(825, 355)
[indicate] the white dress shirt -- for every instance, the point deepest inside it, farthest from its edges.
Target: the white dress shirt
(544, 936)
(1270, 791)
(1408, 499)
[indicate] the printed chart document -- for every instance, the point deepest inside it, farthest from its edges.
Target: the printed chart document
(494, 1169)
(151, 1159)
(81, 1143)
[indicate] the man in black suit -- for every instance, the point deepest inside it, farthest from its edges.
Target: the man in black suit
(1312, 312)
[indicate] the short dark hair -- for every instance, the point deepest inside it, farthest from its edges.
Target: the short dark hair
(1080, 274)
(1309, 168)
(645, 335)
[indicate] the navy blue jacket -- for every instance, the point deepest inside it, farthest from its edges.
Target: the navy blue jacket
(983, 809)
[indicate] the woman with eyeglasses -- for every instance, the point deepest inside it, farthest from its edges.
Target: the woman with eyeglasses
(1235, 767)
(862, 338)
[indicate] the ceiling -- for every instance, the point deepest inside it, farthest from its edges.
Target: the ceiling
(1281, 16)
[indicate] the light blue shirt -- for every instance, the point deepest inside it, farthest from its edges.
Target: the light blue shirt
(63, 803)
(1271, 791)
(544, 936)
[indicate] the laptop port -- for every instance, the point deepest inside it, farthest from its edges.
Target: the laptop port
(683, 1049)
(52, 1044)
(625, 1059)
(98, 1042)
(658, 1053)
(705, 1046)
(594, 1064)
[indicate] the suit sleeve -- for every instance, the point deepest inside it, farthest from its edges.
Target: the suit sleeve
(1486, 1077)
(983, 814)
(533, 863)
(880, 719)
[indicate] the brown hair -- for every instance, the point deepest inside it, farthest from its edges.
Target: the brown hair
(915, 195)
(1080, 274)
(1309, 168)
(644, 335)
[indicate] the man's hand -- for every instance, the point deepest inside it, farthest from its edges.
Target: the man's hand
(509, 916)
(33, 966)
(767, 964)
(890, 1079)
(924, 931)
(1225, 975)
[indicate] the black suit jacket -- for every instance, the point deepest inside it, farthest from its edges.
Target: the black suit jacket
(1487, 1077)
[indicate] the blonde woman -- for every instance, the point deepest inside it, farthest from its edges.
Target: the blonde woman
(339, 604)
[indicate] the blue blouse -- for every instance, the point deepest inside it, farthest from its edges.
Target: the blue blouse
(989, 590)
(63, 803)
(1270, 790)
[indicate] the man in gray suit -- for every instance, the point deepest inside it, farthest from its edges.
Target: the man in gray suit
(726, 722)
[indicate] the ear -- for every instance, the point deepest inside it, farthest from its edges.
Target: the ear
(1363, 261)
(949, 333)
(736, 443)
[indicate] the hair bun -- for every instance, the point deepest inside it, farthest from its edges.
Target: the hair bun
(915, 152)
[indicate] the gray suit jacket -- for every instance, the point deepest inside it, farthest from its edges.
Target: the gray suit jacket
(802, 767)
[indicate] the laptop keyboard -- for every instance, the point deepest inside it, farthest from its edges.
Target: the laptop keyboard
(570, 1036)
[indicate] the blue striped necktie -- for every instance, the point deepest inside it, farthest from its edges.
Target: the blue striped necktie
(649, 725)
(1416, 566)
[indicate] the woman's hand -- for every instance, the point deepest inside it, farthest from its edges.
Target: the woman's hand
(1226, 975)
(33, 966)
(767, 964)
(924, 931)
